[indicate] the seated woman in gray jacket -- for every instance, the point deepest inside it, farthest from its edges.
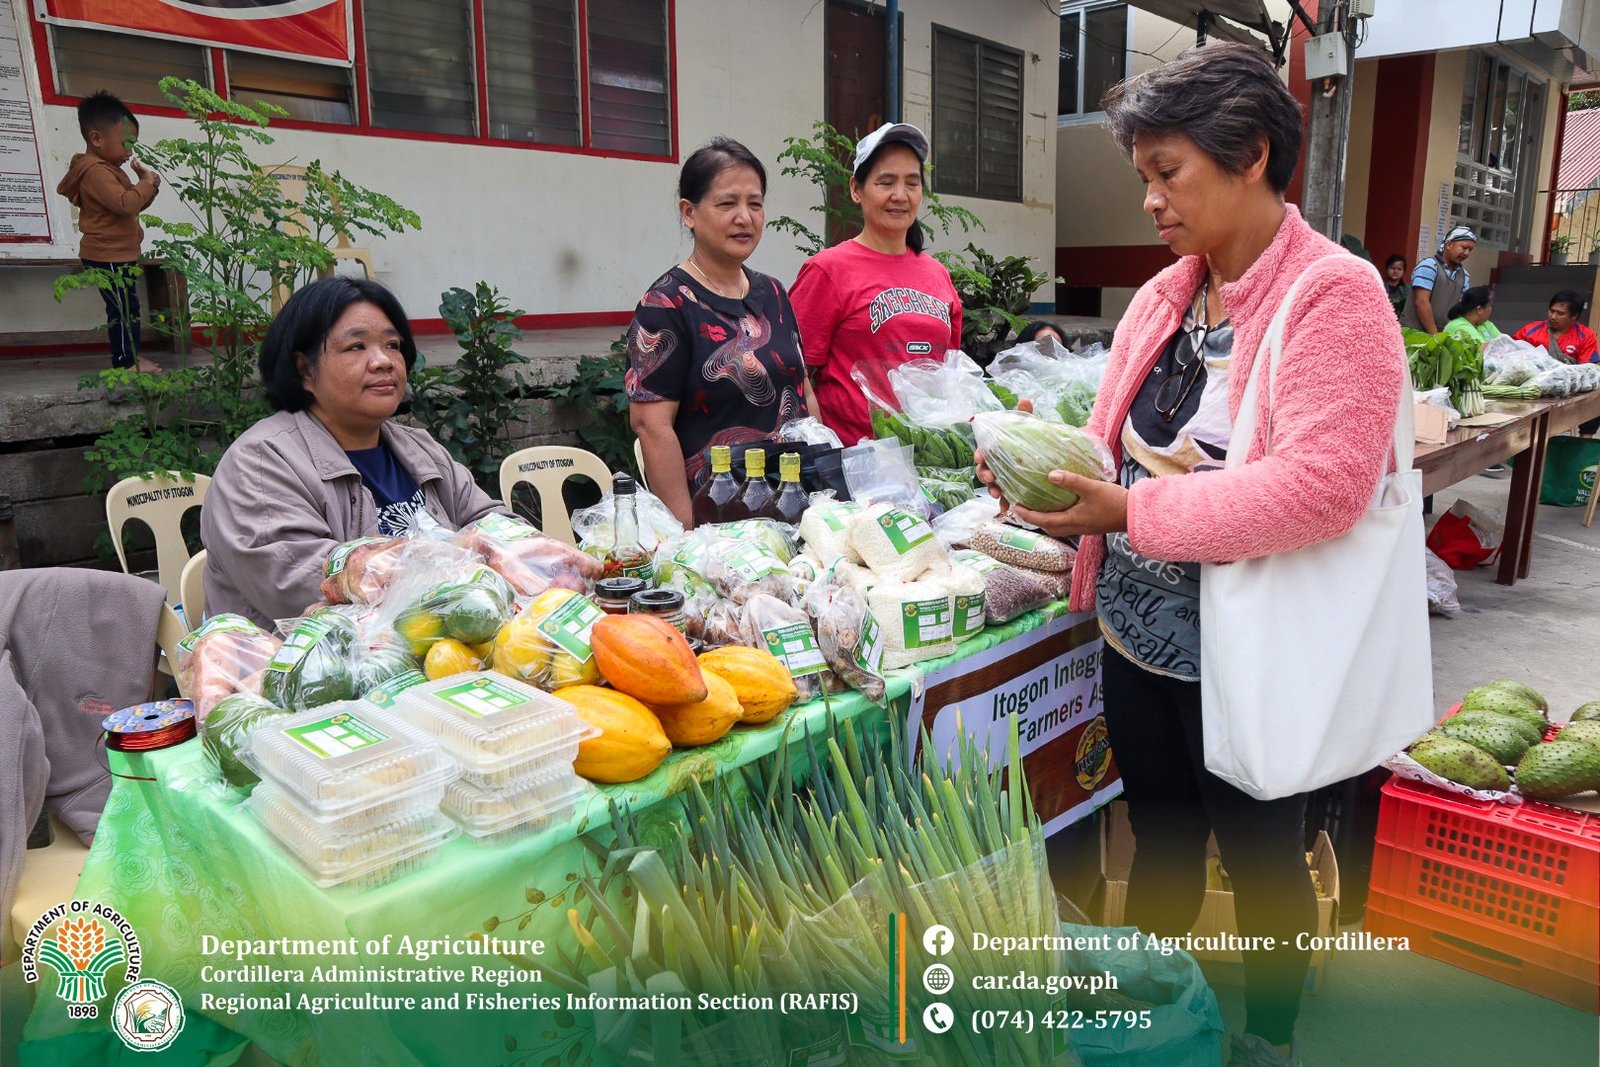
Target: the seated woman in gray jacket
(332, 464)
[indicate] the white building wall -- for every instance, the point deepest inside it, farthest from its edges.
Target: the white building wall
(562, 233)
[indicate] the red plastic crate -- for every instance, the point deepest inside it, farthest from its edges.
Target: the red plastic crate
(1499, 889)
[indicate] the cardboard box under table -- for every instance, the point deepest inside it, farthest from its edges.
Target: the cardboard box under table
(1217, 913)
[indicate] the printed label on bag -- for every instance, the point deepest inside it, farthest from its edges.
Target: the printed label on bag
(386, 694)
(979, 562)
(298, 644)
(755, 561)
(968, 618)
(568, 627)
(868, 653)
(796, 646)
(219, 624)
(336, 735)
(505, 528)
(341, 555)
(927, 622)
(904, 529)
(482, 697)
(1022, 540)
(836, 517)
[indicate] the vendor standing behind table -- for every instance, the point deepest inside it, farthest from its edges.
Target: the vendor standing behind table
(1560, 333)
(876, 301)
(332, 464)
(714, 348)
(1438, 282)
(1469, 318)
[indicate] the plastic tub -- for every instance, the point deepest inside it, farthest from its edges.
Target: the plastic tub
(526, 804)
(346, 759)
(495, 727)
(331, 857)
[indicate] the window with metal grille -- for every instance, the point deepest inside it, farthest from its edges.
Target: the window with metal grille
(420, 65)
(977, 116)
(1094, 56)
(532, 56)
(628, 76)
(1488, 148)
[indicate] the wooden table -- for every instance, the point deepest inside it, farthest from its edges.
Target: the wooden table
(1470, 449)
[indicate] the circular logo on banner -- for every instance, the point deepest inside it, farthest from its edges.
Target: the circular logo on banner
(81, 941)
(147, 1015)
(1093, 756)
(248, 9)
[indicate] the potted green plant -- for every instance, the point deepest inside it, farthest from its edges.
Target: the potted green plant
(1594, 252)
(1558, 250)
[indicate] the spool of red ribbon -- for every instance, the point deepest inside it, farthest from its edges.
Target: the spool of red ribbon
(148, 727)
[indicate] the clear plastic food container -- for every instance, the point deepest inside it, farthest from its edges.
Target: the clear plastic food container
(497, 728)
(349, 758)
(527, 804)
(330, 857)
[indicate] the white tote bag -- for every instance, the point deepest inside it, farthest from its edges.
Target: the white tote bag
(1315, 664)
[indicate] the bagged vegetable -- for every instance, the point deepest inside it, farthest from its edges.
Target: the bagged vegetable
(527, 559)
(470, 607)
(946, 487)
(897, 544)
(781, 539)
(955, 527)
(359, 571)
(850, 638)
(916, 620)
(935, 393)
(733, 561)
(593, 525)
(1023, 548)
(1061, 385)
(227, 654)
(785, 631)
(825, 529)
(547, 644)
(314, 666)
(1022, 450)
(224, 731)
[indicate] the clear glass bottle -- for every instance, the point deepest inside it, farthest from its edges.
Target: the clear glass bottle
(711, 501)
(789, 502)
(626, 557)
(753, 500)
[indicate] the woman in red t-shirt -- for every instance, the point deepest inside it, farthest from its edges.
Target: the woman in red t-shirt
(875, 302)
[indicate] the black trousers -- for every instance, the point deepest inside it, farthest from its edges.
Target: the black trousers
(1175, 804)
(122, 311)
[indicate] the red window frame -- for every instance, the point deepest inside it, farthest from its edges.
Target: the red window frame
(46, 65)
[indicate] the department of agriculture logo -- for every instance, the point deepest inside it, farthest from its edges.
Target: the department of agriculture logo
(147, 1015)
(1093, 756)
(81, 941)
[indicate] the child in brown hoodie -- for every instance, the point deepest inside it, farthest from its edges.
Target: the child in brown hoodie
(108, 215)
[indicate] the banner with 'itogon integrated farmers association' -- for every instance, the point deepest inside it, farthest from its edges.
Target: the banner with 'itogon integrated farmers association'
(317, 30)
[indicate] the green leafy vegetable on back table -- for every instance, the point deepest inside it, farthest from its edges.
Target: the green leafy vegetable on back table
(1450, 361)
(931, 447)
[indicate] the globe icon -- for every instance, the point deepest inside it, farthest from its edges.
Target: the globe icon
(938, 978)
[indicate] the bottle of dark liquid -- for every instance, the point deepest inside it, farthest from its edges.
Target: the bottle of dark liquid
(752, 501)
(711, 501)
(626, 557)
(789, 502)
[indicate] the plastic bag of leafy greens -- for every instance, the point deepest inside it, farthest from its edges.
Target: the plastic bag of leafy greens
(224, 730)
(939, 393)
(1021, 450)
(316, 664)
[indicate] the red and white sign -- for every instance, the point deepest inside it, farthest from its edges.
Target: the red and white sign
(316, 30)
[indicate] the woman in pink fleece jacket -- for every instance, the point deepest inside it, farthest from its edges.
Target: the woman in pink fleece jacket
(1214, 136)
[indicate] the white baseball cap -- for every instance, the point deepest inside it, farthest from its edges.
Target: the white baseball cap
(891, 133)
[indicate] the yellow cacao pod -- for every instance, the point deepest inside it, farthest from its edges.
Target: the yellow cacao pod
(631, 742)
(647, 658)
(761, 682)
(703, 721)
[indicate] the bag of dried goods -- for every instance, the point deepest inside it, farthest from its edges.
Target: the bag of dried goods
(785, 631)
(1022, 450)
(1009, 592)
(916, 620)
(1023, 548)
(224, 731)
(226, 655)
(897, 544)
(547, 644)
(850, 638)
(825, 529)
(968, 601)
(359, 571)
(526, 558)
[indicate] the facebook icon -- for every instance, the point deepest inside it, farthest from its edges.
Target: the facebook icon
(938, 940)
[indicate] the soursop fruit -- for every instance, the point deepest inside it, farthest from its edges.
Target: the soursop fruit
(1462, 763)
(1502, 741)
(1558, 769)
(1587, 713)
(1586, 731)
(1533, 733)
(1490, 698)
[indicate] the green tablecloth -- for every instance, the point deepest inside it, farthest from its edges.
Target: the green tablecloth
(178, 858)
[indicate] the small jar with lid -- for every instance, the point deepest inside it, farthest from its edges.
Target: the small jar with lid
(665, 603)
(612, 595)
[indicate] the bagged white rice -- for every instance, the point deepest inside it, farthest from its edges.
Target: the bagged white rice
(897, 544)
(825, 528)
(967, 600)
(916, 618)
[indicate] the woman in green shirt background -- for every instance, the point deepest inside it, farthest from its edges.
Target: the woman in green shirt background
(1469, 318)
